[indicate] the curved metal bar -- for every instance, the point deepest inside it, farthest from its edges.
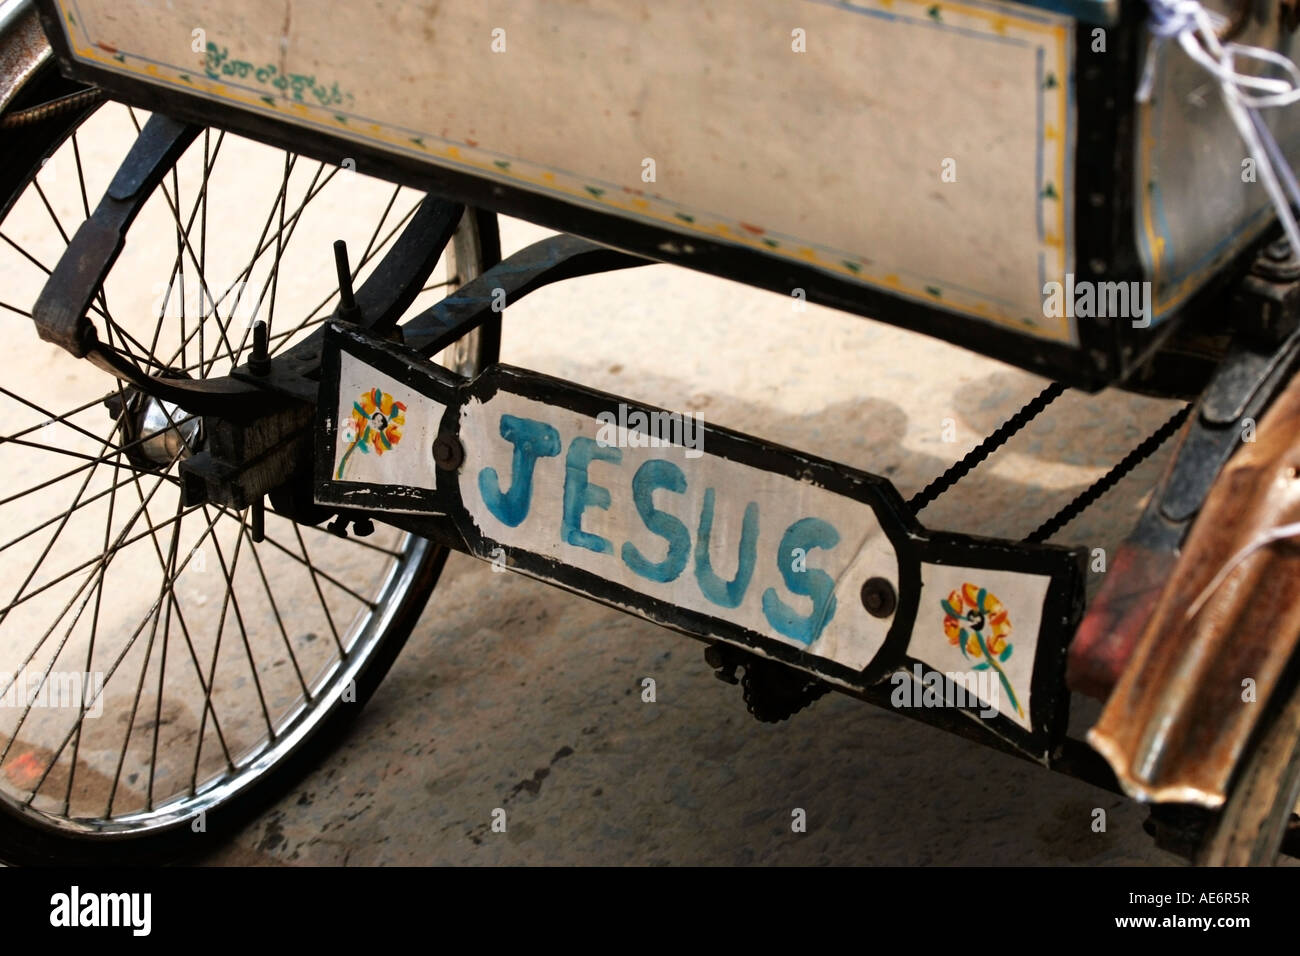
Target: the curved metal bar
(550, 260)
(62, 312)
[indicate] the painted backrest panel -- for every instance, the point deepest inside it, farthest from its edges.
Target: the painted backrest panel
(924, 147)
(1200, 201)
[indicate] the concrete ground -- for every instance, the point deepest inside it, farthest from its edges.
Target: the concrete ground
(514, 695)
(511, 695)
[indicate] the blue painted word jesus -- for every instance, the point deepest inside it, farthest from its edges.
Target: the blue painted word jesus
(534, 440)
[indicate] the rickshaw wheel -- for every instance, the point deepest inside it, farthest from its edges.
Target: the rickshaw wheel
(1256, 824)
(131, 737)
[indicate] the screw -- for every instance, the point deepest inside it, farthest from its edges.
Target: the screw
(723, 661)
(257, 515)
(1279, 251)
(259, 360)
(448, 452)
(348, 309)
(878, 597)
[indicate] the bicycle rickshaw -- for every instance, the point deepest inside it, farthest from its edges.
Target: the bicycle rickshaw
(1095, 191)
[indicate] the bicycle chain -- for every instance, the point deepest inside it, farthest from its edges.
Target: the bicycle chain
(64, 104)
(1027, 413)
(774, 692)
(773, 707)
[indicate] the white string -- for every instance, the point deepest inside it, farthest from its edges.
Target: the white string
(1263, 539)
(1243, 94)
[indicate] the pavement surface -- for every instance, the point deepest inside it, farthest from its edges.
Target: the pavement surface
(514, 696)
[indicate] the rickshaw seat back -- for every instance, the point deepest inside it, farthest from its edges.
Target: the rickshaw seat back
(976, 170)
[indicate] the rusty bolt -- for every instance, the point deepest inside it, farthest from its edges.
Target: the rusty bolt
(448, 452)
(878, 597)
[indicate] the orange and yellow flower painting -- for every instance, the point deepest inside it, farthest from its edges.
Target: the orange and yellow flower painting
(977, 622)
(376, 422)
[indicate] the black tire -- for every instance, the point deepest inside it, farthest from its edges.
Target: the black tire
(29, 836)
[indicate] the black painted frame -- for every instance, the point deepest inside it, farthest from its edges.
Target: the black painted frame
(450, 522)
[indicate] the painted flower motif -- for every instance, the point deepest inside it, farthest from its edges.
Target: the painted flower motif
(376, 422)
(977, 622)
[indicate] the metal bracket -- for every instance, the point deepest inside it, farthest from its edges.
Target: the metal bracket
(62, 311)
(890, 630)
(1243, 385)
(248, 459)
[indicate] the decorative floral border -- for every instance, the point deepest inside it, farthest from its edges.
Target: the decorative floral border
(1053, 186)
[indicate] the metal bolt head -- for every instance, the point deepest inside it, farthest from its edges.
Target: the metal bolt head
(879, 597)
(259, 361)
(448, 452)
(1279, 251)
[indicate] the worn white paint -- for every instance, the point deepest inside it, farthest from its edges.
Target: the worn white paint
(834, 157)
(409, 463)
(852, 637)
(1022, 595)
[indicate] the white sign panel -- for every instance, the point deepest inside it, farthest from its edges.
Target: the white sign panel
(774, 555)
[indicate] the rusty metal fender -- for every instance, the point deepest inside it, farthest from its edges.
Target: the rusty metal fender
(1223, 630)
(23, 47)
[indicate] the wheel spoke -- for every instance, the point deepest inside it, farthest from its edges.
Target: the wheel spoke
(108, 677)
(76, 506)
(279, 621)
(94, 620)
(239, 617)
(98, 575)
(305, 561)
(120, 545)
(93, 459)
(70, 604)
(50, 417)
(315, 581)
(91, 464)
(54, 419)
(314, 316)
(50, 209)
(81, 175)
(49, 545)
(174, 604)
(279, 254)
(277, 207)
(292, 225)
(155, 615)
(102, 312)
(178, 264)
(169, 566)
